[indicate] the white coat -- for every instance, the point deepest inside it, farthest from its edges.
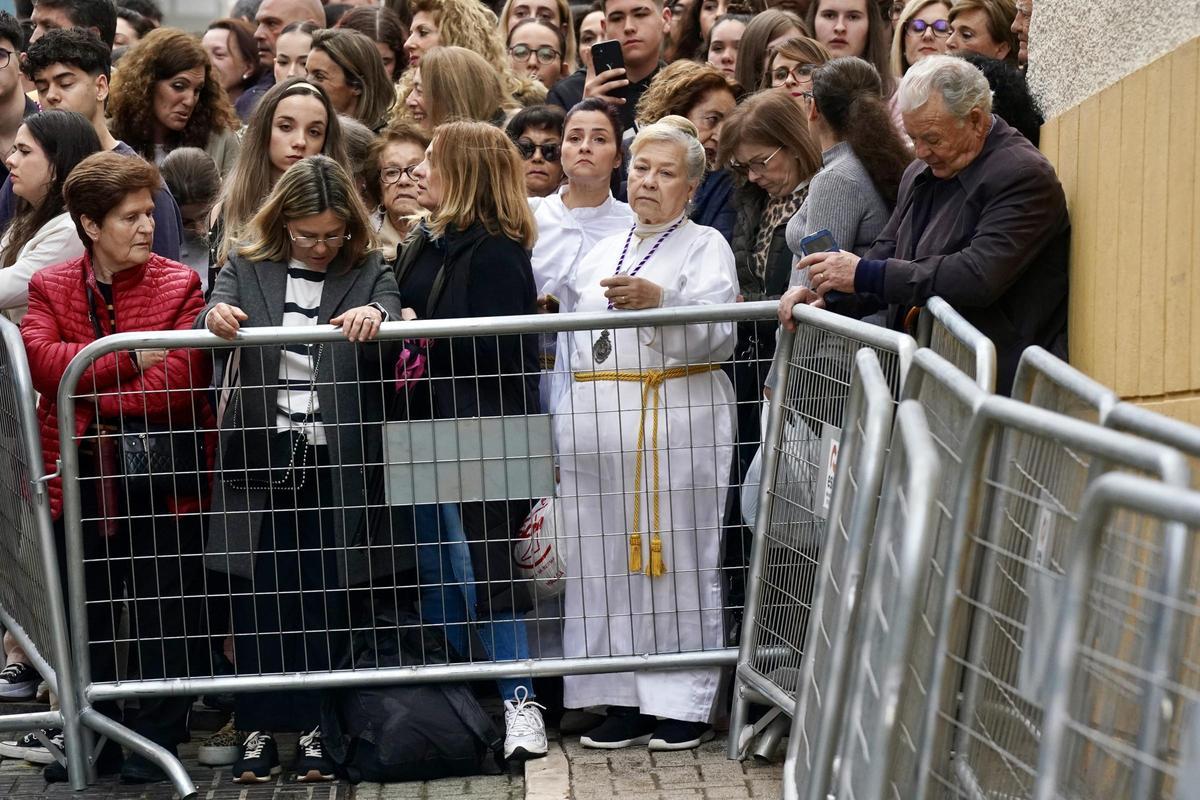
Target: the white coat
(55, 242)
(611, 610)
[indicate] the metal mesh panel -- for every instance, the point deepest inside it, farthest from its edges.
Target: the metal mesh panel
(1009, 543)
(889, 613)
(812, 412)
(944, 331)
(1045, 381)
(855, 497)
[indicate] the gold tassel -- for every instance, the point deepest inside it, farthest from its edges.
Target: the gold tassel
(635, 552)
(658, 567)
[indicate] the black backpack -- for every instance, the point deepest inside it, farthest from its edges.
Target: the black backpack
(410, 732)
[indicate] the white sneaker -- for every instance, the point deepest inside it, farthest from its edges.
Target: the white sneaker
(524, 729)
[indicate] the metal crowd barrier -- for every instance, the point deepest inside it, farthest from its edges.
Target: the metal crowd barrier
(807, 416)
(842, 557)
(1115, 727)
(414, 485)
(1023, 483)
(32, 606)
(889, 611)
(944, 331)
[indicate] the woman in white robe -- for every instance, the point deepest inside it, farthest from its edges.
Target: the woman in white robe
(643, 566)
(572, 220)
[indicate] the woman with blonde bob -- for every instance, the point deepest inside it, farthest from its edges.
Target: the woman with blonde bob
(643, 566)
(469, 257)
(454, 83)
(298, 437)
(348, 66)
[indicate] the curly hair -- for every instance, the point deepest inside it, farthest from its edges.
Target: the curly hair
(163, 53)
(677, 88)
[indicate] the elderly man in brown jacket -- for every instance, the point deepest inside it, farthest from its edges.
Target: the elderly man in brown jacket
(981, 220)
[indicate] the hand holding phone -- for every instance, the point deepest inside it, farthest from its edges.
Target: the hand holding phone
(607, 80)
(820, 242)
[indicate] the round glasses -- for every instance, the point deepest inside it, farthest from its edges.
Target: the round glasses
(545, 54)
(551, 151)
(941, 27)
(390, 175)
(798, 73)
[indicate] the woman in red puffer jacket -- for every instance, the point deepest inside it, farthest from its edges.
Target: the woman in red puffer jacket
(138, 541)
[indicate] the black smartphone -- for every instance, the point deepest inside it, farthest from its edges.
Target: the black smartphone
(607, 55)
(820, 242)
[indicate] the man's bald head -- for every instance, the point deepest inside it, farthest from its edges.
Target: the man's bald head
(274, 15)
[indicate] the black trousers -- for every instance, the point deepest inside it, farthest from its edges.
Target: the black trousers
(294, 615)
(150, 562)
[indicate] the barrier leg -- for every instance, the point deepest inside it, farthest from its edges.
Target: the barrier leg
(155, 753)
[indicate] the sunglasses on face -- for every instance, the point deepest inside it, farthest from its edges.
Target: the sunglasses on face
(940, 27)
(550, 150)
(545, 54)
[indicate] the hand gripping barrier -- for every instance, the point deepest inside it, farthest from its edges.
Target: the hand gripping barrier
(807, 416)
(415, 567)
(32, 606)
(1022, 486)
(817, 714)
(1123, 695)
(944, 331)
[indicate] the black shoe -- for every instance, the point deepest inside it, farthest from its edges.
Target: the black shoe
(622, 727)
(259, 761)
(109, 763)
(30, 748)
(312, 762)
(675, 734)
(18, 682)
(139, 769)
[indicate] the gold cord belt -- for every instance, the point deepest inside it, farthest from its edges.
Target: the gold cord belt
(652, 381)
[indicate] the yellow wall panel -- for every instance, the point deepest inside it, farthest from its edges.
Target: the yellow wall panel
(1182, 215)
(1108, 300)
(1155, 179)
(1128, 276)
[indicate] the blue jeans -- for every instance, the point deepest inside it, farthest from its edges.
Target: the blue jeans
(448, 593)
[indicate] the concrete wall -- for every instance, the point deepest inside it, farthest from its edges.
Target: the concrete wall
(1079, 47)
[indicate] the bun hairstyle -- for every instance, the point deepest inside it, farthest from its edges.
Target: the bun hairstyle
(676, 130)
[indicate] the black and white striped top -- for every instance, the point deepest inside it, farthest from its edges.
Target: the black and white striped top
(301, 303)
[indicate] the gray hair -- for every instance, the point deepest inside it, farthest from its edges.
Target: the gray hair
(961, 85)
(677, 131)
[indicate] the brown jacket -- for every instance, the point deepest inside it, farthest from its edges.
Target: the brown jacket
(995, 246)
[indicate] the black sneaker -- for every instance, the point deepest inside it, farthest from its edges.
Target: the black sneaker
(18, 682)
(259, 761)
(622, 727)
(675, 734)
(139, 769)
(30, 748)
(312, 762)
(109, 763)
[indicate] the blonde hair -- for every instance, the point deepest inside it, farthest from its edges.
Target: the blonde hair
(459, 84)
(363, 66)
(898, 62)
(566, 26)
(483, 181)
(312, 185)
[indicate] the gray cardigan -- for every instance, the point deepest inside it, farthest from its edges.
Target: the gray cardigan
(350, 391)
(842, 200)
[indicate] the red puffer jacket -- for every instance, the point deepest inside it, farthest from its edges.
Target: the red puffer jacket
(159, 295)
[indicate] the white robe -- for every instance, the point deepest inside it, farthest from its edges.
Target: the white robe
(609, 610)
(565, 236)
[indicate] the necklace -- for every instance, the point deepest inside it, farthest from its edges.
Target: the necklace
(602, 347)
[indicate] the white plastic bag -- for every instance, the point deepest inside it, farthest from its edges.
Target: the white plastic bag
(536, 551)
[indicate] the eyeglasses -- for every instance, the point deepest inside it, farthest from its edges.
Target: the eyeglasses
(550, 150)
(390, 175)
(545, 54)
(5, 57)
(798, 73)
(332, 242)
(941, 27)
(758, 166)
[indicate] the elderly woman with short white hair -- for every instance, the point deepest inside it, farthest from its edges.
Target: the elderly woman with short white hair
(645, 438)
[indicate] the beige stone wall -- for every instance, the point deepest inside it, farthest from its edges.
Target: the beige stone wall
(1079, 47)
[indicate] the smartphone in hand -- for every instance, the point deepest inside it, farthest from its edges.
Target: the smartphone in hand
(607, 55)
(820, 242)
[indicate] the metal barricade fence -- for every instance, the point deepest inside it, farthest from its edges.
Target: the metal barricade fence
(1012, 528)
(410, 553)
(1048, 382)
(807, 415)
(944, 331)
(861, 455)
(32, 605)
(890, 611)
(1117, 726)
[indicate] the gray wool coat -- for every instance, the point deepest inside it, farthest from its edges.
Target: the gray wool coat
(351, 393)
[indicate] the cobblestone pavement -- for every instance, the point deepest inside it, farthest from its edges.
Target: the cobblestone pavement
(703, 774)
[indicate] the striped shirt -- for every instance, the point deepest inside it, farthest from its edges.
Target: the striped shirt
(297, 404)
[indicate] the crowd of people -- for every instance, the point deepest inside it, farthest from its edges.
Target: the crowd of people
(296, 164)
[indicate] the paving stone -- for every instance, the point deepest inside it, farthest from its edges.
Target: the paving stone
(727, 792)
(677, 776)
(673, 757)
(766, 788)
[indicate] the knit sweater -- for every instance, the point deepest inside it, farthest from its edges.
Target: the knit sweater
(843, 200)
